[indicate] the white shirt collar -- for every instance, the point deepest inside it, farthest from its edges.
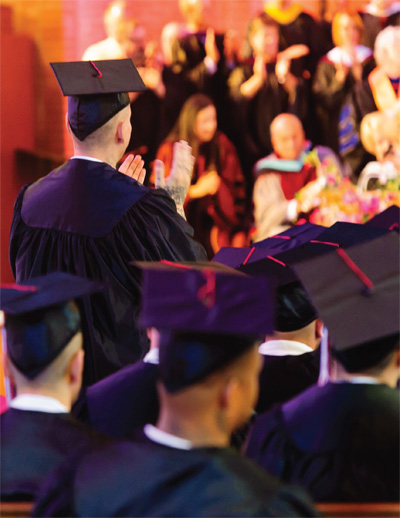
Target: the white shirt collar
(152, 357)
(358, 380)
(38, 403)
(90, 158)
(155, 434)
(283, 348)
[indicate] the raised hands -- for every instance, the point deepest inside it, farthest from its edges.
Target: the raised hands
(133, 166)
(178, 181)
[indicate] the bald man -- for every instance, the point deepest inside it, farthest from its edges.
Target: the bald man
(279, 176)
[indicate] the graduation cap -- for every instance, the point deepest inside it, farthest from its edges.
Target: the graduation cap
(206, 318)
(41, 318)
(389, 219)
(356, 293)
(96, 90)
(292, 237)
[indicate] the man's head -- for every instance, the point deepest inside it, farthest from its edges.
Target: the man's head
(287, 136)
(43, 333)
(387, 51)
(209, 328)
(192, 10)
(97, 95)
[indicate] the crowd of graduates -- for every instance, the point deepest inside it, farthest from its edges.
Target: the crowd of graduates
(145, 379)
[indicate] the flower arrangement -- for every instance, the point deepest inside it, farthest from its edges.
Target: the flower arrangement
(342, 201)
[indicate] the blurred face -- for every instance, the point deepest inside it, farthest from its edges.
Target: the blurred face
(265, 40)
(206, 124)
(288, 139)
(135, 45)
(348, 33)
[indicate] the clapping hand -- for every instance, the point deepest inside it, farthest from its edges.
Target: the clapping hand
(133, 166)
(178, 181)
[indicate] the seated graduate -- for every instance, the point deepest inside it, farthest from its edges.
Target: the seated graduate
(44, 363)
(341, 440)
(209, 367)
(97, 220)
(291, 354)
(294, 165)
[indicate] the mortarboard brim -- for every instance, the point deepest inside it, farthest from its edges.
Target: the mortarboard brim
(352, 312)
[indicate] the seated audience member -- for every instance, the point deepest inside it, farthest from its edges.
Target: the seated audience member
(340, 441)
(262, 89)
(44, 363)
(110, 218)
(337, 72)
(279, 176)
(380, 136)
(291, 354)
(209, 367)
(215, 204)
(376, 16)
(380, 91)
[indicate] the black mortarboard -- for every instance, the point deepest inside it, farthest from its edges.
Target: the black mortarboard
(356, 291)
(96, 90)
(207, 318)
(389, 219)
(292, 237)
(41, 318)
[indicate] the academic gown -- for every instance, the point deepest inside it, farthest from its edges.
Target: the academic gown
(373, 25)
(122, 402)
(340, 442)
(330, 95)
(148, 479)
(284, 377)
(35, 443)
(88, 219)
(253, 116)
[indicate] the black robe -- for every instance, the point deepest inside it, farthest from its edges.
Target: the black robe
(33, 444)
(373, 25)
(330, 95)
(88, 219)
(253, 116)
(122, 402)
(340, 442)
(359, 102)
(147, 479)
(284, 377)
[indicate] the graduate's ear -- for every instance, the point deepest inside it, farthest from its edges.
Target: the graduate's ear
(319, 325)
(67, 124)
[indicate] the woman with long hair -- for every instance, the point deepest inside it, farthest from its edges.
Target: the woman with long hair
(216, 201)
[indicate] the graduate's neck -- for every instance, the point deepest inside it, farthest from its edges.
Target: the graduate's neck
(105, 155)
(388, 376)
(188, 415)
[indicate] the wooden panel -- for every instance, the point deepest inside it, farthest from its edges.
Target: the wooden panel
(359, 510)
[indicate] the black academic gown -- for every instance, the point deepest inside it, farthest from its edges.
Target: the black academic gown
(147, 479)
(373, 25)
(122, 402)
(253, 116)
(359, 102)
(284, 377)
(85, 218)
(33, 444)
(340, 442)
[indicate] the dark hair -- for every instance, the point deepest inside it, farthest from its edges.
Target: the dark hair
(374, 355)
(184, 130)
